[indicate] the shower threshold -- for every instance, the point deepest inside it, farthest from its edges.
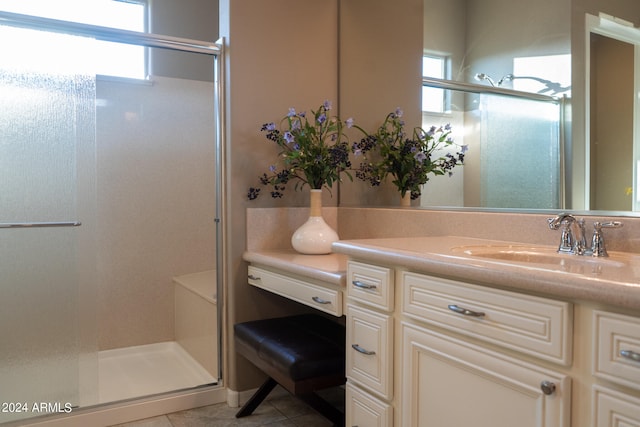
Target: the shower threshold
(145, 370)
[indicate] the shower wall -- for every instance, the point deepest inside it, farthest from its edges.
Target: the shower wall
(155, 202)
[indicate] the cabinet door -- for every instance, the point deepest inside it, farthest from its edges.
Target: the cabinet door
(448, 382)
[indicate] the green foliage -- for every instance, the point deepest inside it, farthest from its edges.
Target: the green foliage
(408, 160)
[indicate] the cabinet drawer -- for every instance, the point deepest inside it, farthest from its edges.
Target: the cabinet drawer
(537, 326)
(370, 350)
(322, 298)
(617, 348)
(611, 408)
(362, 409)
(370, 284)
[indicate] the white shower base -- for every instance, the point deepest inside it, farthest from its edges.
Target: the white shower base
(131, 372)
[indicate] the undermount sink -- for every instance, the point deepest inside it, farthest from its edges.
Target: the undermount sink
(533, 255)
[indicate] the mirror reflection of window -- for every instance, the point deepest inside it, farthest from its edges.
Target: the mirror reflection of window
(546, 74)
(434, 100)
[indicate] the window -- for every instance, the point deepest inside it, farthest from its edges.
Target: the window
(549, 75)
(112, 59)
(434, 99)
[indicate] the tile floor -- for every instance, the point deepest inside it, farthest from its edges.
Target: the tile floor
(281, 410)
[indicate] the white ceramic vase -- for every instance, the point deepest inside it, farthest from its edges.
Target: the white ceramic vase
(315, 236)
(405, 201)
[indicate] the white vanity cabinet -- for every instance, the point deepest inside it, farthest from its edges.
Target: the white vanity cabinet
(616, 362)
(428, 351)
(450, 380)
(370, 345)
(416, 354)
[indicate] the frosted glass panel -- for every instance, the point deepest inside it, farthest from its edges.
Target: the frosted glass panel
(520, 153)
(47, 143)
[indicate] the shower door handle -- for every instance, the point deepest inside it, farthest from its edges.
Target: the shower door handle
(39, 224)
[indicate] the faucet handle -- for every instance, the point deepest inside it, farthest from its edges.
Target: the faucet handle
(609, 224)
(598, 248)
(560, 220)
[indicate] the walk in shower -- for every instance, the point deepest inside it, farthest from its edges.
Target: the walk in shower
(109, 219)
(515, 156)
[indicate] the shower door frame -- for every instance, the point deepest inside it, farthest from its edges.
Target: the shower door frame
(149, 40)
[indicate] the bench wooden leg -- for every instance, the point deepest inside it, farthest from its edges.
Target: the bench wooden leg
(257, 398)
(324, 408)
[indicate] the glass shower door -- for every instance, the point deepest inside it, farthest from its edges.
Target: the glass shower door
(47, 162)
(519, 152)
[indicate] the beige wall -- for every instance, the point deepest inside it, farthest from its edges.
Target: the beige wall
(380, 70)
(499, 30)
(285, 53)
(279, 54)
(190, 19)
(440, 36)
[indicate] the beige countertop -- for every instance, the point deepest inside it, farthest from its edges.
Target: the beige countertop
(614, 280)
(331, 268)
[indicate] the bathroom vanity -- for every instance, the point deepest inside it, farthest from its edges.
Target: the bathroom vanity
(460, 331)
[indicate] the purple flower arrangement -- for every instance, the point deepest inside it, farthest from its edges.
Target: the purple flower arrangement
(408, 160)
(314, 152)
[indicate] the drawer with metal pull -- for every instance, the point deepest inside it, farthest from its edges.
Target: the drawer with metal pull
(617, 348)
(370, 284)
(305, 292)
(537, 326)
(370, 350)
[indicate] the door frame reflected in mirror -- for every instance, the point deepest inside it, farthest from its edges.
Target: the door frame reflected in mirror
(608, 26)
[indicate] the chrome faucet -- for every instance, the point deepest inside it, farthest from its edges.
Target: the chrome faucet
(572, 239)
(570, 243)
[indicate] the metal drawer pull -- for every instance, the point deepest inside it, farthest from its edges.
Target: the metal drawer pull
(465, 311)
(359, 349)
(320, 300)
(547, 387)
(252, 277)
(631, 355)
(362, 285)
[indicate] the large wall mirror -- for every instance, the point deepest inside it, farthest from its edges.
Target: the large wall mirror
(511, 106)
(507, 85)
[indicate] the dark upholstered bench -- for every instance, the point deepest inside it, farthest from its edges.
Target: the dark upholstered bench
(303, 354)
